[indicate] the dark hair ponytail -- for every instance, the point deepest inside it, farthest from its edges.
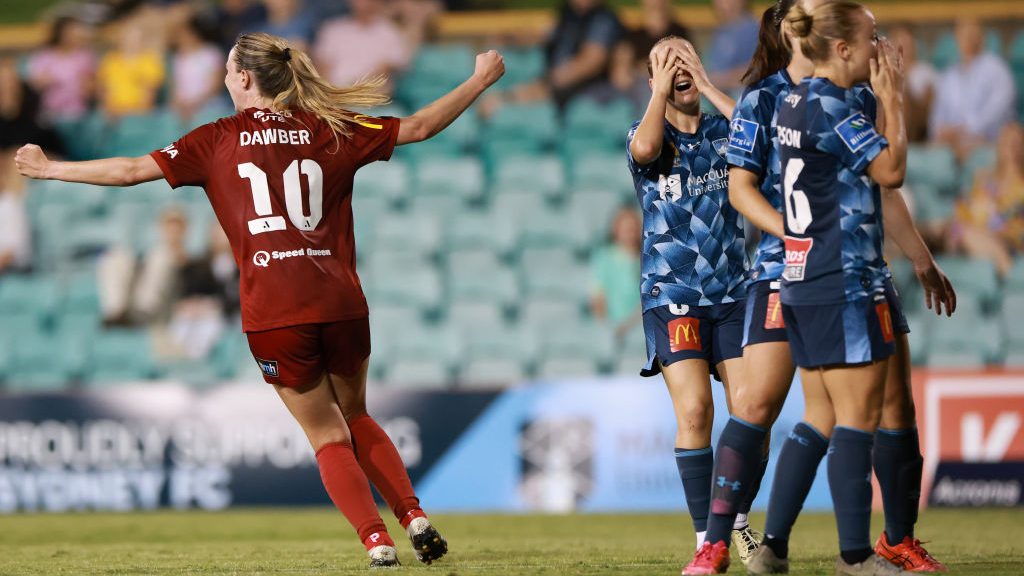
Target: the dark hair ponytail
(772, 52)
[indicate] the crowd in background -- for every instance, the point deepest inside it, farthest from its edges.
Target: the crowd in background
(170, 55)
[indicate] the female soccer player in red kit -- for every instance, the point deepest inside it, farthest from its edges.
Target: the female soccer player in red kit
(279, 176)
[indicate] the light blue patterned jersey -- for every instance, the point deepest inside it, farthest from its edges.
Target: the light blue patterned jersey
(693, 251)
(869, 103)
(832, 208)
(753, 146)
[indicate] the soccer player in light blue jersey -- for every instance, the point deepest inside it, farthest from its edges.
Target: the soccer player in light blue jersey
(693, 259)
(755, 189)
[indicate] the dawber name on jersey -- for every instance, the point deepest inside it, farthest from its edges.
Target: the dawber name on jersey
(269, 136)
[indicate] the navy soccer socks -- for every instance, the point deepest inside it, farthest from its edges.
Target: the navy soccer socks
(736, 469)
(794, 475)
(849, 479)
(897, 462)
(695, 471)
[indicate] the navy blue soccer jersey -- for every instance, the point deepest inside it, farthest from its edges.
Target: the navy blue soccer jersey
(832, 208)
(693, 250)
(753, 147)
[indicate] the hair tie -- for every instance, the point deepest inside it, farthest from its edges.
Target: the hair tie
(287, 54)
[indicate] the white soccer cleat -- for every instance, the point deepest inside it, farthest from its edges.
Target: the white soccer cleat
(427, 542)
(383, 557)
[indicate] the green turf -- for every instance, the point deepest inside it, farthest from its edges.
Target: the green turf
(316, 541)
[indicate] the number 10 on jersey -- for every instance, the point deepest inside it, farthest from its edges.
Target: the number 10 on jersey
(268, 222)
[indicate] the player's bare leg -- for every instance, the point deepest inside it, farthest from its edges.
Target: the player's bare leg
(380, 460)
(316, 410)
(898, 466)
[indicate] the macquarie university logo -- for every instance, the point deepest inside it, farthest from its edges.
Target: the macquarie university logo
(797, 251)
(684, 334)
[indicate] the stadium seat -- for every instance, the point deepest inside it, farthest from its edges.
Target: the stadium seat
(555, 368)
(522, 65)
(532, 125)
(481, 229)
(529, 174)
(119, 356)
(593, 126)
(587, 340)
(421, 342)
(933, 166)
(419, 287)
(538, 314)
(1015, 279)
(963, 341)
(930, 205)
(1016, 51)
(518, 207)
(596, 208)
(418, 374)
(547, 259)
(212, 112)
(982, 158)
(462, 177)
(601, 171)
(470, 317)
(140, 134)
(416, 233)
(1013, 313)
(390, 181)
(553, 227)
(37, 295)
(974, 280)
(504, 343)
(483, 371)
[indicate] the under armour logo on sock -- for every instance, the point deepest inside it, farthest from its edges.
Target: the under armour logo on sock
(724, 482)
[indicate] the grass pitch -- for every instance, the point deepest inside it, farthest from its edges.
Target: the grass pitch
(318, 541)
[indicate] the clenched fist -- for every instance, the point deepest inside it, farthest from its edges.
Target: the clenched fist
(490, 66)
(31, 161)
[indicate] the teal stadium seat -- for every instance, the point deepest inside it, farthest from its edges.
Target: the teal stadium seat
(461, 177)
(522, 65)
(390, 181)
(1015, 279)
(419, 287)
(433, 345)
(520, 128)
(417, 233)
(518, 173)
(498, 343)
(555, 227)
(465, 317)
(46, 361)
(965, 340)
(596, 208)
(975, 281)
(932, 166)
(588, 340)
(37, 296)
(435, 70)
(540, 314)
(632, 351)
(601, 171)
(459, 138)
(591, 126)
(517, 207)
(481, 229)
(491, 372)
(141, 134)
(557, 368)
(1013, 314)
(443, 209)
(418, 374)
(497, 285)
(119, 356)
(982, 158)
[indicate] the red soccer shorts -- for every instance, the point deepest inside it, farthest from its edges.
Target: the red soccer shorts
(297, 356)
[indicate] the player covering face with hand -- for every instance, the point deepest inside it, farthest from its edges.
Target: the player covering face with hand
(693, 259)
(279, 176)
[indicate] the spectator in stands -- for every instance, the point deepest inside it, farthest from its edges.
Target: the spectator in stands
(209, 296)
(290, 20)
(234, 17)
(20, 112)
(977, 94)
(63, 71)
(615, 273)
(15, 236)
(198, 68)
(366, 43)
(414, 18)
(629, 59)
(130, 77)
(732, 44)
(134, 292)
(989, 222)
(578, 54)
(921, 80)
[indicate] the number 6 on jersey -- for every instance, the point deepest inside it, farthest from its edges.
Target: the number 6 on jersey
(292, 196)
(798, 208)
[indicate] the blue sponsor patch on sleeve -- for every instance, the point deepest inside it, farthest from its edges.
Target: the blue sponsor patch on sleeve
(743, 134)
(856, 131)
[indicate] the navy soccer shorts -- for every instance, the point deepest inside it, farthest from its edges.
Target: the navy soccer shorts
(712, 333)
(841, 334)
(763, 320)
(899, 319)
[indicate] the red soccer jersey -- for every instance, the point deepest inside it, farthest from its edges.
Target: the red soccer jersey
(282, 190)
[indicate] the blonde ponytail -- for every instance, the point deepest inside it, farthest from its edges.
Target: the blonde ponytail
(287, 75)
(815, 29)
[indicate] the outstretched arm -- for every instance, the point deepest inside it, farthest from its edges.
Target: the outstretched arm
(122, 171)
(938, 291)
(437, 115)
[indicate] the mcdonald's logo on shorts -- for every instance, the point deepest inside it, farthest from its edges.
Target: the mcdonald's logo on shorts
(684, 334)
(773, 316)
(885, 321)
